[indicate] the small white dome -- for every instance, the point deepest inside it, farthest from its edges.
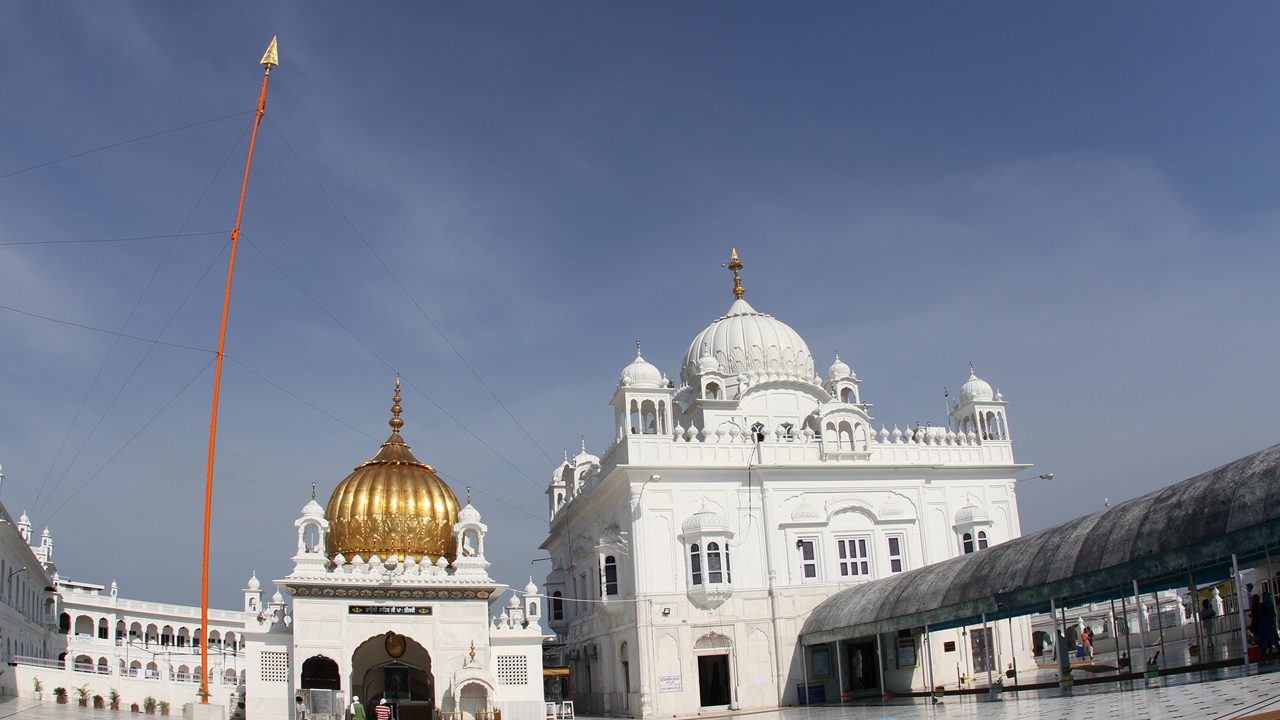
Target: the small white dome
(469, 514)
(24, 519)
(704, 522)
(312, 509)
(254, 582)
(277, 598)
(640, 373)
(839, 370)
(530, 589)
(971, 513)
(707, 363)
(975, 389)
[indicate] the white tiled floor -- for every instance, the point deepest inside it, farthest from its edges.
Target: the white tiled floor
(1176, 698)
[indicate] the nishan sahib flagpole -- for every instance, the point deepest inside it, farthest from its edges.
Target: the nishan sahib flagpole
(270, 59)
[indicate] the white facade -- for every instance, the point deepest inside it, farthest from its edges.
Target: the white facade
(687, 557)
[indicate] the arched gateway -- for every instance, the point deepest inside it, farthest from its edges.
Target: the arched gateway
(397, 668)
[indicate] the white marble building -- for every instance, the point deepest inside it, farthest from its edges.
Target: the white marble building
(391, 598)
(686, 557)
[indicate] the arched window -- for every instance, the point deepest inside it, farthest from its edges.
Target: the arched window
(557, 605)
(715, 564)
(713, 391)
(610, 575)
(695, 564)
(648, 418)
(967, 543)
(844, 394)
(982, 540)
(635, 417)
(103, 629)
(533, 608)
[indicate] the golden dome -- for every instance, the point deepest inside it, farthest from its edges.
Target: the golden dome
(392, 506)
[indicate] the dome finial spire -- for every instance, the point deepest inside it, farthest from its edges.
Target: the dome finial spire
(637, 348)
(396, 423)
(736, 266)
(972, 373)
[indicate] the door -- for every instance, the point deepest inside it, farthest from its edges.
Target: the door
(713, 680)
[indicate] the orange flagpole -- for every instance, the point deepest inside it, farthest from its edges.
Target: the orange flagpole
(270, 59)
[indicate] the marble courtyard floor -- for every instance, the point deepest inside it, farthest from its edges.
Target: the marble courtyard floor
(1231, 695)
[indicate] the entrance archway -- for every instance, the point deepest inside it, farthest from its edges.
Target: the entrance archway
(404, 679)
(715, 672)
(320, 673)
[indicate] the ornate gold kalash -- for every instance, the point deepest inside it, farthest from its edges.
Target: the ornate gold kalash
(393, 506)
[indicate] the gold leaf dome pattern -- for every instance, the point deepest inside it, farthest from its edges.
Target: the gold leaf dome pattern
(393, 506)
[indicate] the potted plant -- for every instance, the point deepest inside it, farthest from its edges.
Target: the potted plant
(149, 704)
(133, 707)
(37, 688)
(98, 702)
(114, 696)
(61, 694)
(164, 707)
(82, 695)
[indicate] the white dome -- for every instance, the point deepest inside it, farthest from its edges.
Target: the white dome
(277, 598)
(704, 522)
(971, 514)
(468, 514)
(254, 582)
(975, 388)
(312, 509)
(640, 373)
(839, 370)
(530, 589)
(746, 342)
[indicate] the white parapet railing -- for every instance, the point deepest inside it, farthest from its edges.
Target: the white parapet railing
(40, 662)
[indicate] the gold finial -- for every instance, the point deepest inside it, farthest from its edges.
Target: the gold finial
(271, 57)
(736, 266)
(396, 423)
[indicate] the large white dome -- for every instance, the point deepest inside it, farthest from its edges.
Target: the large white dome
(747, 342)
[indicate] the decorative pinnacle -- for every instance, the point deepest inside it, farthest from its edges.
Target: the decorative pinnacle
(584, 442)
(313, 491)
(271, 58)
(971, 372)
(736, 266)
(468, 494)
(396, 423)
(637, 348)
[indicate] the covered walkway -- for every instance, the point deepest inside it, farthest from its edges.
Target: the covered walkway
(1183, 537)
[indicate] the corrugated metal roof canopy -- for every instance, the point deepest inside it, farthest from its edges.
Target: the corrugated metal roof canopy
(1156, 539)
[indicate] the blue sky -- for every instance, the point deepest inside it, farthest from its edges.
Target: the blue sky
(1079, 199)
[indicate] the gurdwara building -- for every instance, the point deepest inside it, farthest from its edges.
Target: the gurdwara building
(687, 556)
(389, 597)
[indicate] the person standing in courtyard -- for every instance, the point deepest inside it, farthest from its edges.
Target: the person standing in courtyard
(382, 711)
(299, 708)
(355, 708)
(1207, 618)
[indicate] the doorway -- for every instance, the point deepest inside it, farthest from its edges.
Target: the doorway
(320, 673)
(713, 680)
(862, 668)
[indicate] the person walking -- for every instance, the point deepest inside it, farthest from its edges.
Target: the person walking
(1086, 638)
(382, 711)
(355, 708)
(1268, 637)
(299, 709)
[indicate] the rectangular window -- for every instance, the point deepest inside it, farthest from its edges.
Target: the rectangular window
(808, 559)
(897, 559)
(854, 558)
